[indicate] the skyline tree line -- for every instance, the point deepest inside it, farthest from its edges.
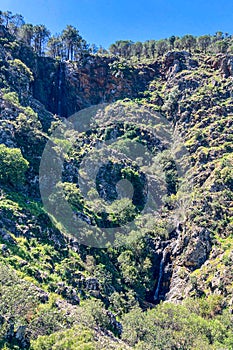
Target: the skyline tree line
(69, 44)
(218, 43)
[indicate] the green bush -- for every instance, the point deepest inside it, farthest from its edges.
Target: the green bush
(170, 326)
(74, 339)
(12, 166)
(12, 97)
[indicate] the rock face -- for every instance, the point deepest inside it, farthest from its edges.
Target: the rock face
(195, 94)
(68, 293)
(7, 237)
(175, 62)
(69, 87)
(178, 257)
(92, 284)
(19, 336)
(198, 249)
(224, 63)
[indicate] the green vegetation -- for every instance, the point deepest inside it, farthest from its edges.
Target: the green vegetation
(12, 166)
(179, 327)
(56, 293)
(74, 339)
(69, 45)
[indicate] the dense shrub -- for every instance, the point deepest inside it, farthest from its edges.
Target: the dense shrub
(12, 166)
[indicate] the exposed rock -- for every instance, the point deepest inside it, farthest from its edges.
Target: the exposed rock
(68, 292)
(224, 63)
(92, 283)
(198, 249)
(4, 249)
(21, 337)
(176, 61)
(7, 237)
(10, 330)
(42, 295)
(88, 82)
(2, 320)
(196, 97)
(117, 326)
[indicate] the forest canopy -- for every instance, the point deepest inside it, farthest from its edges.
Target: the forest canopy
(70, 45)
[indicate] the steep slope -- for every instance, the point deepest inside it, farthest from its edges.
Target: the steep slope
(63, 288)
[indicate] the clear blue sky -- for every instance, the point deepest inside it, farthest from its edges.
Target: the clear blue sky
(105, 21)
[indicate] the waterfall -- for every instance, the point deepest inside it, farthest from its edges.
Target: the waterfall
(60, 75)
(174, 247)
(161, 270)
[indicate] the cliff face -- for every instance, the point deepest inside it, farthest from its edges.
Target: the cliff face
(194, 93)
(66, 88)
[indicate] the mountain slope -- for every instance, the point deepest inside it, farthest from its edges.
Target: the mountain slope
(74, 296)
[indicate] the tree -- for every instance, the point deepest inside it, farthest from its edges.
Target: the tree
(102, 50)
(113, 49)
(169, 326)
(121, 48)
(41, 34)
(94, 49)
(203, 42)
(218, 36)
(134, 326)
(81, 50)
(6, 17)
(221, 46)
(172, 40)
(16, 21)
(1, 18)
(145, 50)
(78, 338)
(127, 266)
(152, 48)
(178, 44)
(138, 49)
(12, 166)
(26, 33)
(55, 46)
(161, 47)
(72, 41)
(188, 42)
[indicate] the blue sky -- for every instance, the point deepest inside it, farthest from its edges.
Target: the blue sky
(105, 21)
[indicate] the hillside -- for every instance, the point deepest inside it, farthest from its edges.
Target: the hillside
(155, 288)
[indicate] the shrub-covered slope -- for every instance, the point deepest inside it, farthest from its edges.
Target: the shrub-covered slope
(59, 294)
